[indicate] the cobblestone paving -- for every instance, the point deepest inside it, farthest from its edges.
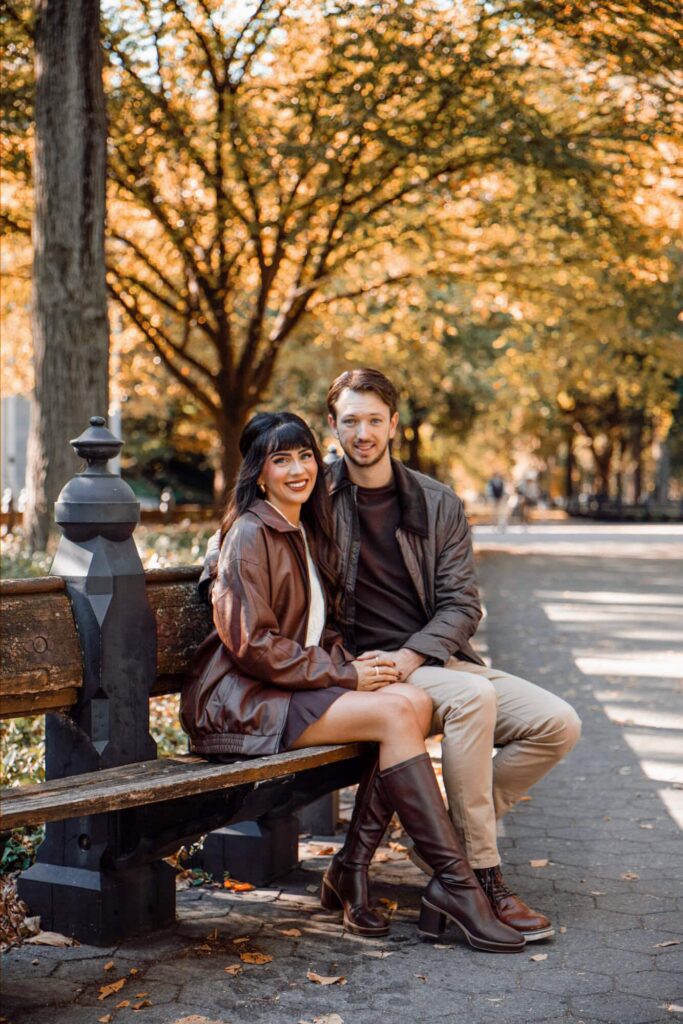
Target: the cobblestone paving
(606, 633)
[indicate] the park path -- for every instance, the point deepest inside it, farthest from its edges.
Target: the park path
(599, 623)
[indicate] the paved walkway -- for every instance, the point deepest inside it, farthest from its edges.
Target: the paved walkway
(606, 631)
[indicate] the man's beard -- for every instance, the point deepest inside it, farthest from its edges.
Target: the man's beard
(364, 465)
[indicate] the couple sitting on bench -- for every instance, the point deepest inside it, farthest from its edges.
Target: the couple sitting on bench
(385, 554)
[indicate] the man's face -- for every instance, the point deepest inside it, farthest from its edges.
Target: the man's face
(364, 426)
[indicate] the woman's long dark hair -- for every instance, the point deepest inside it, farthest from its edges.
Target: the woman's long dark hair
(269, 432)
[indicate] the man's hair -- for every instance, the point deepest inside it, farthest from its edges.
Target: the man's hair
(362, 380)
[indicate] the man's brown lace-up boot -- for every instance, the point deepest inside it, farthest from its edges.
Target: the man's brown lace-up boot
(510, 909)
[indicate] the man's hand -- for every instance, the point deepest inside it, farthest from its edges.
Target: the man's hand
(406, 661)
(375, 669)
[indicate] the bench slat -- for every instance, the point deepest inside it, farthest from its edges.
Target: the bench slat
(41, 658)
(41, 655)
(149, 782)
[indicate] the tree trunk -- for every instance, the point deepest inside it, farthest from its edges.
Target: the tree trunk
(229, 429)
(569, 466)
(69, 315)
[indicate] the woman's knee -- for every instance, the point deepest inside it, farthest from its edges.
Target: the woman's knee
(399, 713)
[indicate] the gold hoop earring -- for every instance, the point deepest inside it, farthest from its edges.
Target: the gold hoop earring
(262, 488)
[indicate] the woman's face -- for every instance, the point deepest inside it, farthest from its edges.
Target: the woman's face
(289, 478)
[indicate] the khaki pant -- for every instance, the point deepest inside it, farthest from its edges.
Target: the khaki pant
(477, 708)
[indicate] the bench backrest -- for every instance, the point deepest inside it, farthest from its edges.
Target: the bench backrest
(41, 662)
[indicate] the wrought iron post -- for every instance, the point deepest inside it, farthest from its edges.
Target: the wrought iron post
(72, 885)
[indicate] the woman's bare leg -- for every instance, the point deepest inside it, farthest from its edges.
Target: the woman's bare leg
(388, 719)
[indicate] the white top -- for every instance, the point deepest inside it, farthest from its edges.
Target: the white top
(316, 612)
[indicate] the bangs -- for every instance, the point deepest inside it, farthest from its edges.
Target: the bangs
(290, 435)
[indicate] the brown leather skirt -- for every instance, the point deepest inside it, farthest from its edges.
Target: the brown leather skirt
(305, 707)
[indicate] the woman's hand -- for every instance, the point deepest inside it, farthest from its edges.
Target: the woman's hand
(375, 669)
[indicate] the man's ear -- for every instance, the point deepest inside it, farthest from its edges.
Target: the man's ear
(393, 424)
(332, 422)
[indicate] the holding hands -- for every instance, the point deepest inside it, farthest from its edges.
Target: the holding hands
(375, 670)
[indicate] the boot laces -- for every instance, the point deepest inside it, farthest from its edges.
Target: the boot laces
(493, 883)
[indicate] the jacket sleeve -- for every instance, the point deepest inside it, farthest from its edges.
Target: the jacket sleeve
(248, 627)
(210, 567)
(456, 596)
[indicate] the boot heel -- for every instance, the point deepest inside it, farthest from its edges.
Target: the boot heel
(432, 923)
(328, 897)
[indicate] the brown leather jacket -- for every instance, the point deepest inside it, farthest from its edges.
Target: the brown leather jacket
(237, 697)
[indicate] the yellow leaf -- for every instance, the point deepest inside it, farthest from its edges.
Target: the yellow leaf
(234, 886)
(391, 906)
(233, 969)
(107, 990)
(542, 863)
(108, 966)
(322, 979)
(124, 1002)
(537, 957)
(140, 1005)
(104, 1020)
(291, 933)
(240, 939)
(255, 958)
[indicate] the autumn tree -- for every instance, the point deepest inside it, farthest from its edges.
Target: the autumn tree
(69, 320)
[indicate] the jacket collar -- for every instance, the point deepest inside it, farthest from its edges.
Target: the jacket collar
(271, 517)
(410, 494)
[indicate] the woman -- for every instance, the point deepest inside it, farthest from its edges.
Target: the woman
(273, 677)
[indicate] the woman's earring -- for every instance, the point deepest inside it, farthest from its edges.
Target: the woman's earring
(262, 488)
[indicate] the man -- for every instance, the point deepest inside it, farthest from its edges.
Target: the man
(409, 588)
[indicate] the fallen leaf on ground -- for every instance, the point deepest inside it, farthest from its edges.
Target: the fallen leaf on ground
(669, 942)
(291, 933)
(212, 936)
(596, 892)
(327, 1018)
(645, 824)
(240, 939)
(537, 957)
(379, 954)
(325, 851)
(108, 966)
(141, 995)
(524, 799)
(391, 906)
(122, 1004)
(630, 876)
(139, 1006)
(421, 977)
(51, 939)
(398, 847)
(438, 945)
(229, 883)
(195, 1018)
(107, 990)
(673, 1007)
(134, 970)
(255, 958)
(541, 863)
(322, 979)
(104, 1020)
(233, 969)
(562, 930)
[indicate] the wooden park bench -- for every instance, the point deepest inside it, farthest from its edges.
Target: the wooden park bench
(88, 647)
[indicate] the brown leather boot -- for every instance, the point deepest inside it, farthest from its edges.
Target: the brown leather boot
(510, 909)
(345, 883)
(454, 892)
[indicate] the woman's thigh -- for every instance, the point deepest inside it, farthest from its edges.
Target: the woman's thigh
(356, 716)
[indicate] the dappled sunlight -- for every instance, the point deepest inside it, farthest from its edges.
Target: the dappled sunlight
(654, 665)
(616, 639)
